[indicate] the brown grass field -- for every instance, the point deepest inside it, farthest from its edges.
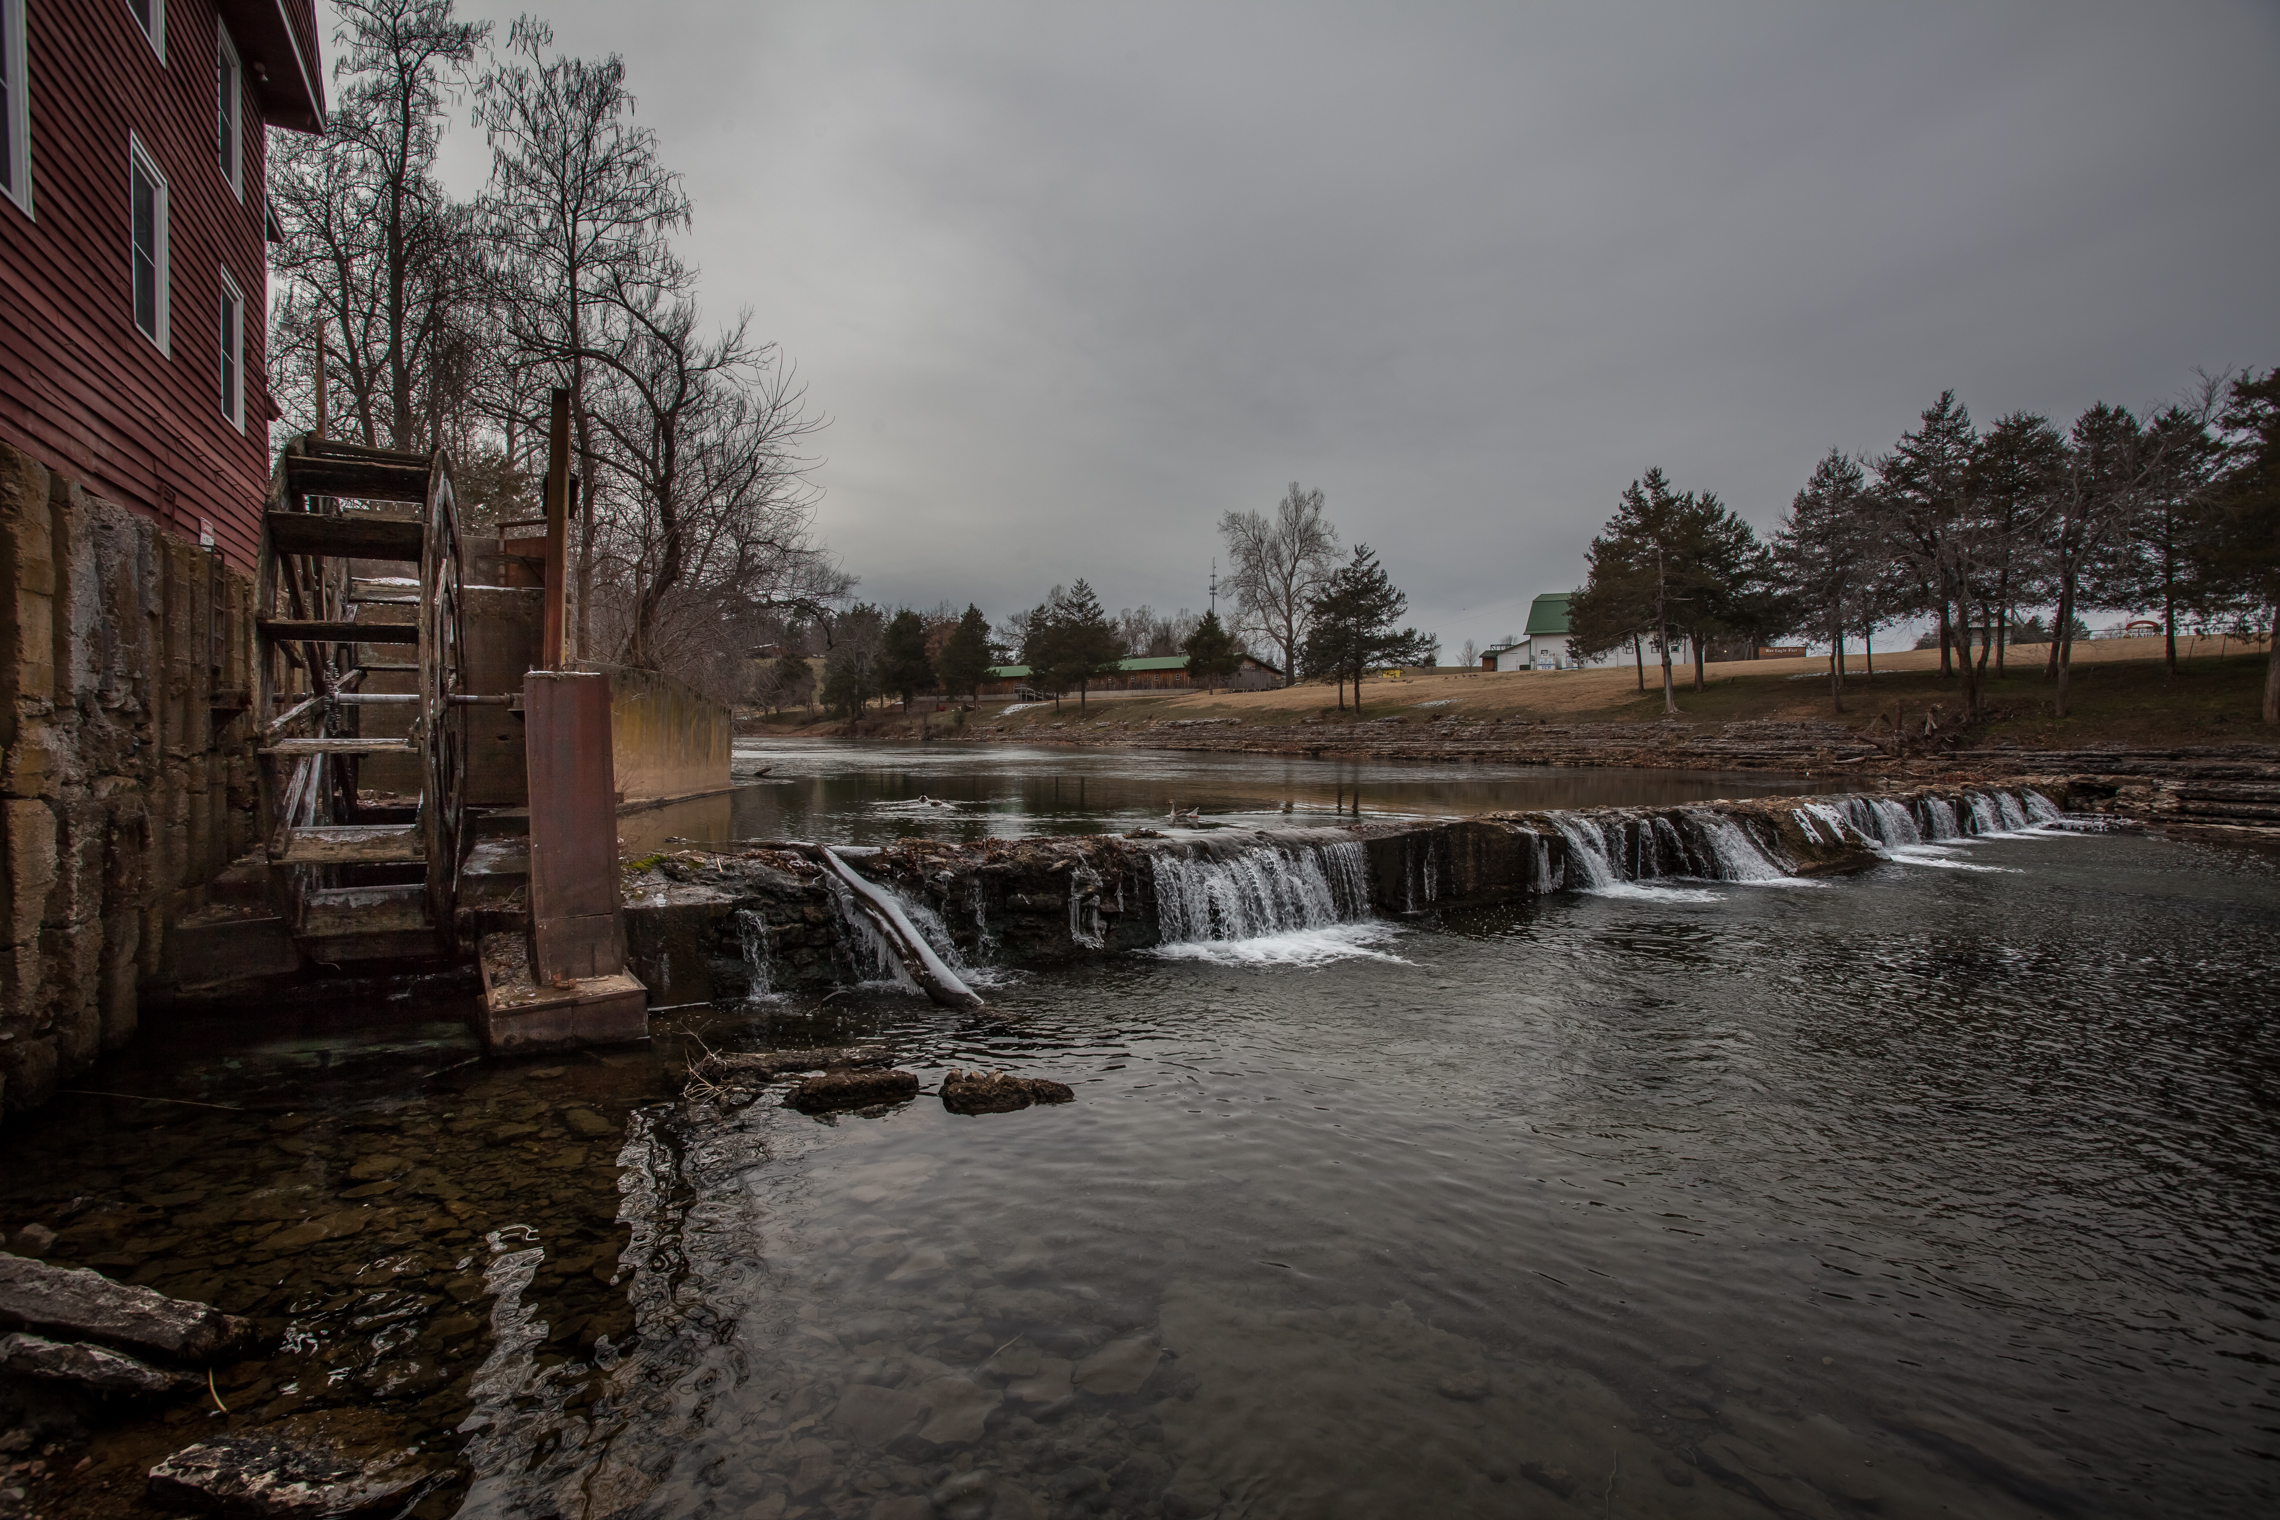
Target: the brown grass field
(2119, 691)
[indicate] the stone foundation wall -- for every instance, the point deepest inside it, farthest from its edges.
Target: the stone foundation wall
(126, 766)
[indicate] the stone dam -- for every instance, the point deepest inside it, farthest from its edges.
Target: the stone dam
(756, 918)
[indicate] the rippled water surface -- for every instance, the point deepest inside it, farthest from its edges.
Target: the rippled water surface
(1931, 1191)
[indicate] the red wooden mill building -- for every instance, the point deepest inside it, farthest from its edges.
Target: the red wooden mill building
(264, 712)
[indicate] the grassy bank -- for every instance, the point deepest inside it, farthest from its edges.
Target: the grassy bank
(2120, 692)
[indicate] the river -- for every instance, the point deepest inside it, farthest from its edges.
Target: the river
(1943, 1188)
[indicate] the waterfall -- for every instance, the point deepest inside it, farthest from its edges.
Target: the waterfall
(1084, 906)
(1544, 882)
(1587, 852)
(2039, 808)
(1415, 871)
(1939, 819)
(1736, 855)
(931, 928)
(869, 956)
(1260, 890)
(985, 942)
(2014, 815)
(1986, 818)
(752, 935)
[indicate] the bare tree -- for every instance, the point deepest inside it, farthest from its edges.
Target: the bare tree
(711, 524)
(1151, 634)
(579, 204)
(376, 257)
(1279, 566)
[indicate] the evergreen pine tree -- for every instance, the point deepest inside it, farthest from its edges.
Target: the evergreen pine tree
(964, 662)
(904, 669)
(1211, 653)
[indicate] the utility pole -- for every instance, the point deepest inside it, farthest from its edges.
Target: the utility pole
(1215, 585)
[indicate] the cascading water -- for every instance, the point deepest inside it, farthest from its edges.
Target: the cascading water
(870, 957)
(752, 937)
(1939, 820)
(1260, 890)
(985, 939)
(1736, 855)
(1084, 906)
(1586, 853)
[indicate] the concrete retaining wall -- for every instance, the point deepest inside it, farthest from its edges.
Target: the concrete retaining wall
(125, 763)
(666, 740)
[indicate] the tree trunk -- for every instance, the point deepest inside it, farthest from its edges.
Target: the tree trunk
(2062, 639)
(2169, 618)
(1868, 647)
(2272, 672)
(2002, 628)
(1639, 653)
(1696, 641)
(1670, 697)
(1837, 669)
(1947, 667)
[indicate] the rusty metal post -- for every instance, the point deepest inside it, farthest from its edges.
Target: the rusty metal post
(577, 927)
(551, 653)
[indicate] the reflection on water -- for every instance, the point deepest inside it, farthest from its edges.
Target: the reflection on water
(839, 791)
(1929, 1192)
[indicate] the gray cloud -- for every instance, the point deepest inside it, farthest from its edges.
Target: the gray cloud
(1074, 280)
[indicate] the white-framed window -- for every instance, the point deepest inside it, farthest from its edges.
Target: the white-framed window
(229, 110)
(15, 109)
(233, 353)
(150, 15)
(146, 242)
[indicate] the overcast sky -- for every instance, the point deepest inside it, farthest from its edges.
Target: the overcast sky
(1071, 281)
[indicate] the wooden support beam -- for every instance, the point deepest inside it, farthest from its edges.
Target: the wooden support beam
(551, 649)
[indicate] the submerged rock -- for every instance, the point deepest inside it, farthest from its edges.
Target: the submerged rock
(96, 1368)
(997, 1092)
(1118, 1368)
(851, 1089)
(261, 1475)
(84, 1303)
(765, 1065)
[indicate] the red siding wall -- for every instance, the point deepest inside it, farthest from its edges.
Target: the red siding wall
(80, 387)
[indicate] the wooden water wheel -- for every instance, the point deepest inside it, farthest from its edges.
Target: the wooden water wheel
(363, 755)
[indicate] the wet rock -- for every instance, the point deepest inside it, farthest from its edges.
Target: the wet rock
(997, 1092)
(1191, 1495)
(874, 1416)
(1554, 1478)
(1046, 1383)
(956, 1410)
(1071, 1482)
(1013, 1502)
(95, 1368)
(1118, 1368)
(588, 1125)
(903, 1507)
(264, 1475)
(377, 1167)
(965, 1496)
(34, 1240)
(40, 1296)
(926, 1261)
(851, 1089)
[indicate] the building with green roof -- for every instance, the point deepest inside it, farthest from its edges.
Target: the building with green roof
(1544, 646)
